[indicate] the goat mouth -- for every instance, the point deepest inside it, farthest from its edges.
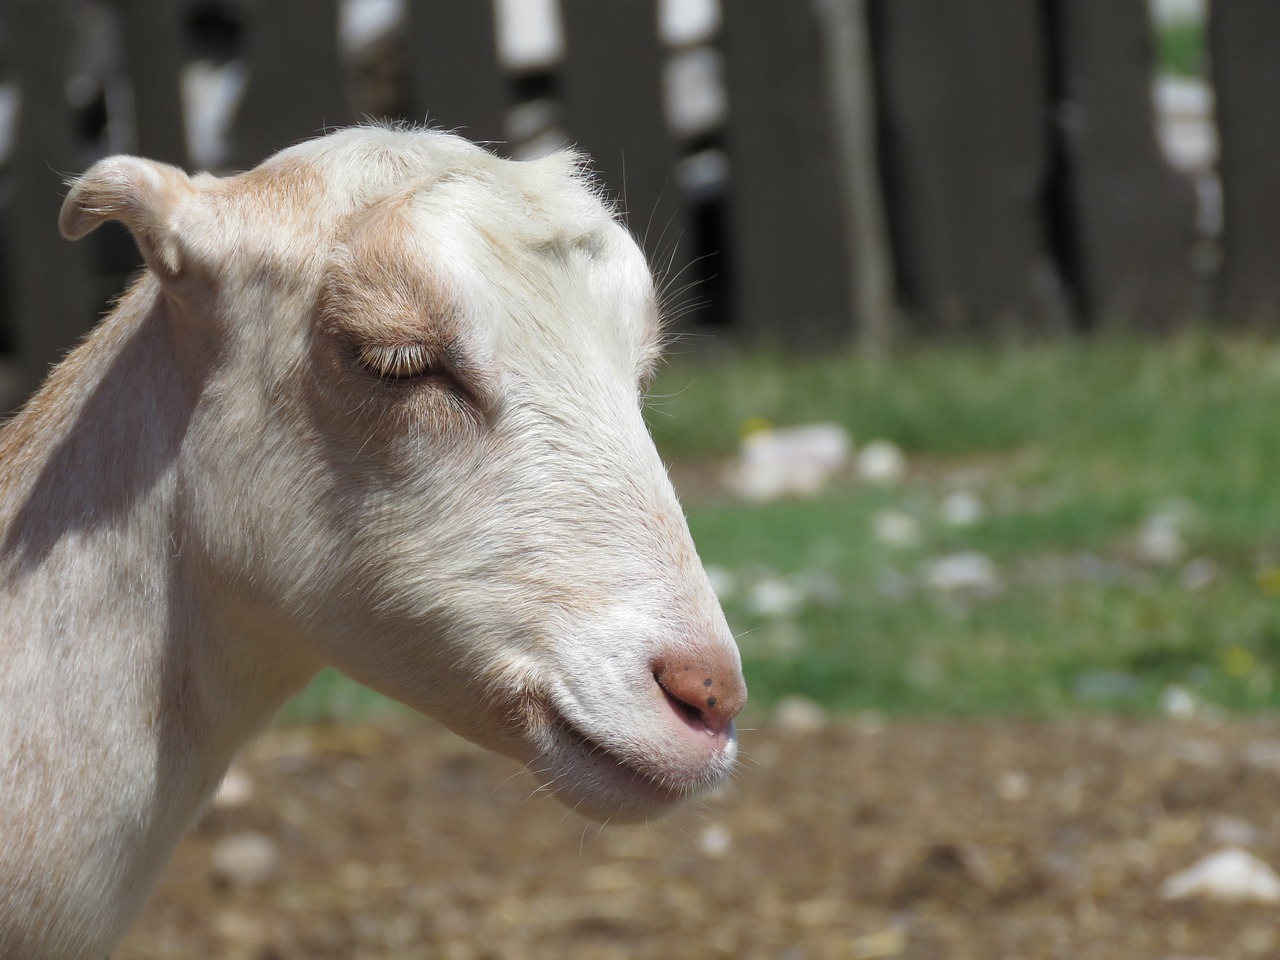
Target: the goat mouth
(601, 781)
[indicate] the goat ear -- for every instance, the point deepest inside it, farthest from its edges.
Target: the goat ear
(141, 194)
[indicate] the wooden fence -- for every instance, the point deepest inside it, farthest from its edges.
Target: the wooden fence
(997, 170)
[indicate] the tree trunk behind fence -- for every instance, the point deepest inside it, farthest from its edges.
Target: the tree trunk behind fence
(851, 81)
(964, 94)
(788, 242)
(1133, 215)
(1243, 37)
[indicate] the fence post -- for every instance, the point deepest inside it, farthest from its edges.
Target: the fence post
(612, 79)
(151, 34)
(1133, 215)
(295, 78)
(964, 95)
(1246, 75)
(458, 83)
(48, 295)
(789, 240)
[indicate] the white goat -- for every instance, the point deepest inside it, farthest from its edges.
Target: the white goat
(375, 404)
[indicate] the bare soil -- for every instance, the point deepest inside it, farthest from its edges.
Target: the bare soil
(856, 840)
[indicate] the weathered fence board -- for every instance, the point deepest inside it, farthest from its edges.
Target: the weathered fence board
(1133, 214)
(787, 244)
(612, 87)
(48, 290)
(966, 161)
(1242, 41)
(295, 88)
(151, 34)
(453, 59)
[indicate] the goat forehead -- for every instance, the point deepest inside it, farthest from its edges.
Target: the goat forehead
(533, 290)
(527, 248)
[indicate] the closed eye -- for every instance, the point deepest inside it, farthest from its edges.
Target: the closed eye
(397, 361)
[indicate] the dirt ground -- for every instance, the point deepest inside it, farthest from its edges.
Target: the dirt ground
(854, 840)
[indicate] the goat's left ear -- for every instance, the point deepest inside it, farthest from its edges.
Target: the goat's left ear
(141, 194)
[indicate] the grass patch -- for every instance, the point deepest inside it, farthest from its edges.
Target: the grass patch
(1182, 49)
(1073, 450)
(331, 697)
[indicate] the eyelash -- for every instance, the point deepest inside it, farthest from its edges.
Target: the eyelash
(396, 362)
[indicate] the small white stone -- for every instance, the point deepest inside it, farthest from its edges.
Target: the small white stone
(234, 792)
(779, 637)
(1230, 874)
(1262, 755)
(882, 462)
(892, 584)
(820, 587)
(1161, 539)
(1233, 831)
(799, 715)
(969, 573)
(894, 528)
(240, 927)
(772, 596)
(1102, 685)
(961, 508)
(715, 840)
(925, 671)
(1196, 752)
(244, 860)
(1174, 12)
(1199, 573)
(1160, 544)
(796, 461)
(886, 943)
(723, 582)
(1178, 702)
(869, 723)
(1013, 786)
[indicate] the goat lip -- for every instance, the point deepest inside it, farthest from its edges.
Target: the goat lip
(601, 782)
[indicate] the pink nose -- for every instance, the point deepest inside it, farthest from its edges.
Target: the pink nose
(706, 689)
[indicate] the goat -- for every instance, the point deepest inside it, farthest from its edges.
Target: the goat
(375, 404)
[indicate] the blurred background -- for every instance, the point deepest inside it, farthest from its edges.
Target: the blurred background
(970, 401)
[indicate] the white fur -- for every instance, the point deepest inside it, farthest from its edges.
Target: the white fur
(212, 497)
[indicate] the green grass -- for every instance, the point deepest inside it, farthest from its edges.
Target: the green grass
(1181, 49)
(1069, 447)
(332, 697)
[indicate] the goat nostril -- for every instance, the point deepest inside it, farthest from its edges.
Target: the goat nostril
(688, 710)
(700, 699)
